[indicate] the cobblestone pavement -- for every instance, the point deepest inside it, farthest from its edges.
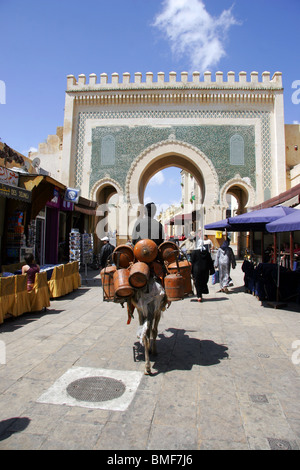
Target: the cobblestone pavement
(227, 376)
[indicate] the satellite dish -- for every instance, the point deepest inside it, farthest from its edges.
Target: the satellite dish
(26, 165)
(36, 162)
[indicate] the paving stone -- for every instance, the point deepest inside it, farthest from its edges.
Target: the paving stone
(223, 377)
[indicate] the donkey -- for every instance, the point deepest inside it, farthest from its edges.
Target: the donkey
(150, 302)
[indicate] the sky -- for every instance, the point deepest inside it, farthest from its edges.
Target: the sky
(44, 41)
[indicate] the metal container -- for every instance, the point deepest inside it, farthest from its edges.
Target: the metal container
(157, 269)
(174, 287)
(168, 251)
(123, 256)
(145, 250)
(139, 274)
(106, 275)
(121, 283)
(185, 269)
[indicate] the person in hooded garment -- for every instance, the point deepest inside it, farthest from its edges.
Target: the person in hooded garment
(105, 252)
(224, 260)
(188, 245)
(148, 227)
(202, 267)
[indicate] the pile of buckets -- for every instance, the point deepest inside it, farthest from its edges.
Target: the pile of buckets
(130, 269)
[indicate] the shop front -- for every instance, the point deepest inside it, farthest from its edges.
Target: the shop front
(14, 207)
(57, 228)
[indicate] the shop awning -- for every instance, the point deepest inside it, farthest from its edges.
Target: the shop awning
(14, 192)
(85, 206)
(42, 189)
(179, 219)
(290, 198)
(84, 210)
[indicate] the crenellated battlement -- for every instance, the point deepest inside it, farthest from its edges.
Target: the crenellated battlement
(161, 81)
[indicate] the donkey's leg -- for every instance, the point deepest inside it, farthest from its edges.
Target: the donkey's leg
(146, 341)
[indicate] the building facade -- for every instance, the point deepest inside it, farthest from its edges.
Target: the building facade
(228, 132)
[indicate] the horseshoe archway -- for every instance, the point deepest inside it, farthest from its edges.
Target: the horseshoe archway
(167, 154)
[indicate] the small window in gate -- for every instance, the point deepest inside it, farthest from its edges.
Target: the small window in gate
(108, 151)
(237, 156)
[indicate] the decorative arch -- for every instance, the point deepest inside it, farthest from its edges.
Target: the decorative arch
(168, 153)
(233, 184)
(106, 184)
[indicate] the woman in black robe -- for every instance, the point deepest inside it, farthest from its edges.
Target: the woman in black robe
(202, 267)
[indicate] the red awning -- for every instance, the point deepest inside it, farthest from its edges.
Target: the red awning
(291, 198)
(179, 219)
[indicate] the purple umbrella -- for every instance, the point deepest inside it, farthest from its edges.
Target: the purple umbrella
(289, 223)
(220, 225)
(261, 216)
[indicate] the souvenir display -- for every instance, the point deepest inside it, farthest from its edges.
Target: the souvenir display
(75, 245)
(87, 248)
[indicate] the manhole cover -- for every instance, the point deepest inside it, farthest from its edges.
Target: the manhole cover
(96, 389)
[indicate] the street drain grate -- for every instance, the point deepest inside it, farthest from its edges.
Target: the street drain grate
(259, 398)
(96, 389)
(279, 444)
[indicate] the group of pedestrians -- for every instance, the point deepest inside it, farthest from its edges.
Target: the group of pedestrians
(198, 253)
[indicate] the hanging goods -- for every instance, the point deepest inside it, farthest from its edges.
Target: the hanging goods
(108, 282)
(157, 270)
(139, 274)
(168, 251)
(174, 287)
(122, 256)
(145, 250)
(121, 283)
(185, 269)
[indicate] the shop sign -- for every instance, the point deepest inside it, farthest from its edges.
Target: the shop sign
(15, 192)
(55, 201)
(66, 206)
(8, 176)
(72, 195)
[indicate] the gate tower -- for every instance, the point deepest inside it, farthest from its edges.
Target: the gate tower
(228, 133)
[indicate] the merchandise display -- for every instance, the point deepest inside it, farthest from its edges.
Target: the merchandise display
(15, 236)
(74, 246)
(87, 246)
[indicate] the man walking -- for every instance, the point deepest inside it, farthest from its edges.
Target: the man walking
(105, 251)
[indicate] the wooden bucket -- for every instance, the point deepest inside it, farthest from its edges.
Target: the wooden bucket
(185, 269)
(145, 250)
(121, 283)
(168, 251)
(174, 287)
(108, 282)
(123, 256)
(139, 274)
